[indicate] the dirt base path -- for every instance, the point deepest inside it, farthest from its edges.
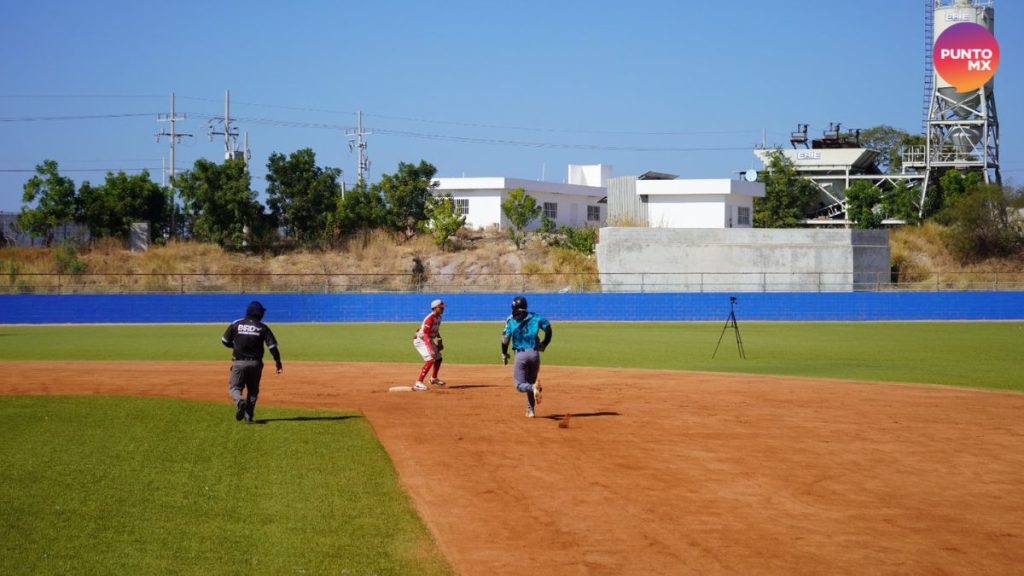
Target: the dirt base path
(661, 472)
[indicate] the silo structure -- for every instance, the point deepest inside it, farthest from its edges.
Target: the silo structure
(962, 127)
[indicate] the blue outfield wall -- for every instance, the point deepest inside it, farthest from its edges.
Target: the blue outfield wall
(391, 307)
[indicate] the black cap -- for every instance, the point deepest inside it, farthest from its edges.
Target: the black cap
(254, 310)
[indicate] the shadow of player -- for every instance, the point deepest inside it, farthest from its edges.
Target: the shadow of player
(304, 419)
(560, 417)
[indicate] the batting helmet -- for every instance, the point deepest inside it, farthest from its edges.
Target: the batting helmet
(519, 307)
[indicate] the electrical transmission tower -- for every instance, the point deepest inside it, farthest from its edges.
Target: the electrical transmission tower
(359, 142)
(173, 136)
(230, 134)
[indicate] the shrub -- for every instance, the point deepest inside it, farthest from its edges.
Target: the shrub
(66, 261)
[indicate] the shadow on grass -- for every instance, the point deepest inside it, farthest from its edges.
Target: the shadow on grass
(303, 419)
(560, 417)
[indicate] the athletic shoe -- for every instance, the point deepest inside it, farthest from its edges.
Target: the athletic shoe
(529, 412)
(536, 393)
(250, 413)
(419, 386)
(437, 382)
(240, 413)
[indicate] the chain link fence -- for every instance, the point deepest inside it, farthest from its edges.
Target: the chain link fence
(571, 282)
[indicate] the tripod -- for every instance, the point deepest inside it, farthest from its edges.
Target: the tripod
(735, 328)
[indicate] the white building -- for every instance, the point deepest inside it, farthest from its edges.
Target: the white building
(660, 200)
(576, 203)
(703, 203)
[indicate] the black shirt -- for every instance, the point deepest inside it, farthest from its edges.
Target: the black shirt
(247, 336)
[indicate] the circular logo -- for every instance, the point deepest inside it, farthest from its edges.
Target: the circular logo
(966, 55)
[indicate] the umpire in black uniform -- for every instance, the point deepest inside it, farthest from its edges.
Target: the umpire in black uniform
(247, 337)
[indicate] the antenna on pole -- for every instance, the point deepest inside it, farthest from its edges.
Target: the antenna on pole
(174, 137)
(230, 134)
(359, 142)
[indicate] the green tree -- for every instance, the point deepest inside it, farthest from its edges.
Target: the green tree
(110, 209)
(901, 202)
(982, 226)
(445, 218)
(218, 203)
(405, 194)
(520, 209)
(864, 205)
(55, 202)
(788, 199)
(360, 208)
(302, 195)
(889, 141)
(952, 186)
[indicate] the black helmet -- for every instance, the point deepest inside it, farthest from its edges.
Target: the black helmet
(255, 310)
(519, 307)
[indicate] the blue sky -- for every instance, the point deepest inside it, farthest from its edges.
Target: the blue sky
(518, 89)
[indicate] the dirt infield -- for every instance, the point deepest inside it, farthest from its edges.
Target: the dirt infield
(661, 472)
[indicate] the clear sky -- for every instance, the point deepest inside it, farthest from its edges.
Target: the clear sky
(475, 87)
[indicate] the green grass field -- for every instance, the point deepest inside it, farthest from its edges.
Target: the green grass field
(972, 354)
(153, 486)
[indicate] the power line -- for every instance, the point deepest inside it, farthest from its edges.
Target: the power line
(81, 117)
(478, 140)
(78, 96)
(63, 169)
(491, 126)
(448, 137)
(552, 145)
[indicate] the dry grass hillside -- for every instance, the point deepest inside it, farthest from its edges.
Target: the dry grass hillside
(920, 254)
(382, 261)
(372, 260)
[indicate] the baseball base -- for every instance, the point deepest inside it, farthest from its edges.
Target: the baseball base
(400, 389)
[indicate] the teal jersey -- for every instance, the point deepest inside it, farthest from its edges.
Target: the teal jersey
(524, 334)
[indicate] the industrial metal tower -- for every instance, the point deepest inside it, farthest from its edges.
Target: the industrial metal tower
(961, 128)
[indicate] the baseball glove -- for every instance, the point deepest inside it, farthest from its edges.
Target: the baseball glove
(439, 345)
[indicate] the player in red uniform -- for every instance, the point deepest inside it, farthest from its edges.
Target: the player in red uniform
(429, 344)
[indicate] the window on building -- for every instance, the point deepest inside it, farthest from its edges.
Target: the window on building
(743, 216)
(593, 213)
(551, 210)
(462, 205)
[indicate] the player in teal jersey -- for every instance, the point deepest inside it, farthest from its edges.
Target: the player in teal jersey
(521, 331)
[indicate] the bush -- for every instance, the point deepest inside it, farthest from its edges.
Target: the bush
(66, 261)
(982, 227)
(581, 240)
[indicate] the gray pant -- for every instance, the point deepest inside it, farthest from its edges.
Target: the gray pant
(525, 372)
(245, 374)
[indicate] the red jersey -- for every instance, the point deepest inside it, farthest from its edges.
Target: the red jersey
(430, 328)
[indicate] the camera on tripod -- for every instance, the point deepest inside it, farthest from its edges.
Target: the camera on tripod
(731, 321)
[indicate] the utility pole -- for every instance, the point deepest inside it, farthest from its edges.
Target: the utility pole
(245, 149)
(174, 136)
(230, 134)
(360, 143)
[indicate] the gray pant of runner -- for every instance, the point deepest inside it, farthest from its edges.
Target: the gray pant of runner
(245, 374)
(525, 372)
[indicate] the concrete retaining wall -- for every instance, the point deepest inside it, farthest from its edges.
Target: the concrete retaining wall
(742, 260)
